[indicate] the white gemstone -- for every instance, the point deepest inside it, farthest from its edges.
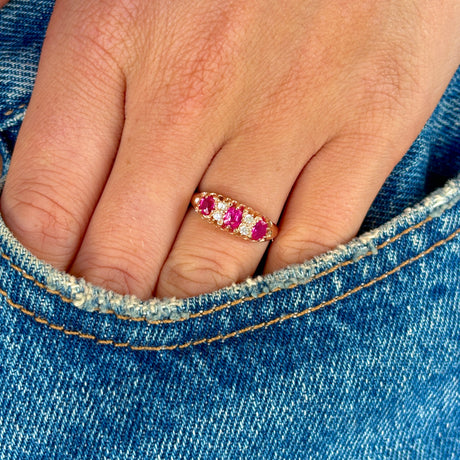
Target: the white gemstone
(248, 219)
(218, 216)
(244, 230)
(221, 206)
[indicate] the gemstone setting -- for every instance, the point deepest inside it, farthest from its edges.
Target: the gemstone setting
(259, 231)
(234, 217)
(218, 216)
(206, 205)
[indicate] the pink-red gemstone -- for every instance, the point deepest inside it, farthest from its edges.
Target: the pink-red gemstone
(233, 217)
(206, 205)
(259, 230)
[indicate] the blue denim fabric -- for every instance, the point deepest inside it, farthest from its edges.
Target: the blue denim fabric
(354, 354)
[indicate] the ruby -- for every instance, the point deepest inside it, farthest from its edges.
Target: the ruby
(233, 217)
(206, 205)
(259, 230)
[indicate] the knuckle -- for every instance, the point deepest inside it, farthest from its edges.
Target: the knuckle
(118, 278)
(298, 247)
(194, 87)
(386, 84)
(108, 19)
(192, 274)
(39, 219)
(102, 33)
(112, 263)
(200, 73)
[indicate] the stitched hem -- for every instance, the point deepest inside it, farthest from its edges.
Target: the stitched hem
(224, 337)
(227, 305)
(90, 298)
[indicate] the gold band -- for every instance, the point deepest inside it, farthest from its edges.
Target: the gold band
(234, 217)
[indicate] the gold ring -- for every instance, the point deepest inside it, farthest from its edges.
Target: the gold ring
(234, 217)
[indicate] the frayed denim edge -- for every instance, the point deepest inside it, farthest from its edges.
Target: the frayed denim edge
(91, 298)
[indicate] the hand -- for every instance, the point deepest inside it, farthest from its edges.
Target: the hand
(298, 109)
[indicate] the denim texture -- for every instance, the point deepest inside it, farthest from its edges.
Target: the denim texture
(354, 354)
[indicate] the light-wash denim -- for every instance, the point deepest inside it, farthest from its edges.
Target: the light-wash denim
(352, 355)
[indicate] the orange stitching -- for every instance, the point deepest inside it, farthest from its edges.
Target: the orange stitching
(265, 324)
(228, 305)
(35, 281)
(294, 285)
(11, 111)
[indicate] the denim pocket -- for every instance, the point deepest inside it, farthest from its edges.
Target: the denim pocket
(247, 307)
(73, 307)
(354, 354)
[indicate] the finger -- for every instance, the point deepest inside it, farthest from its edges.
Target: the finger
(66, 145)
(329, 200)
(203, 257)
(181, 104)
(157, 169)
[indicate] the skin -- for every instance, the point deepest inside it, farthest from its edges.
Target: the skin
(299, 109)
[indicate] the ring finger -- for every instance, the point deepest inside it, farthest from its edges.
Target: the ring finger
(204, 258)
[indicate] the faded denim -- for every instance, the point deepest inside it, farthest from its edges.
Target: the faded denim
(354, 354)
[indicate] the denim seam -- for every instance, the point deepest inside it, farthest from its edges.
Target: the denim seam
(224, 337)
(10, 112)
(227, 305)
(12, 117)
(37, 283)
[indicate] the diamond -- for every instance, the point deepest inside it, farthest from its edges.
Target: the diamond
(244, 230)
(248, 219)
(206, 205)
(233, 217)
(222, 206)
(259, 230)
(218, 216)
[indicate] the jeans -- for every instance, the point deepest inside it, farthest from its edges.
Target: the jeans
(353, 355)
